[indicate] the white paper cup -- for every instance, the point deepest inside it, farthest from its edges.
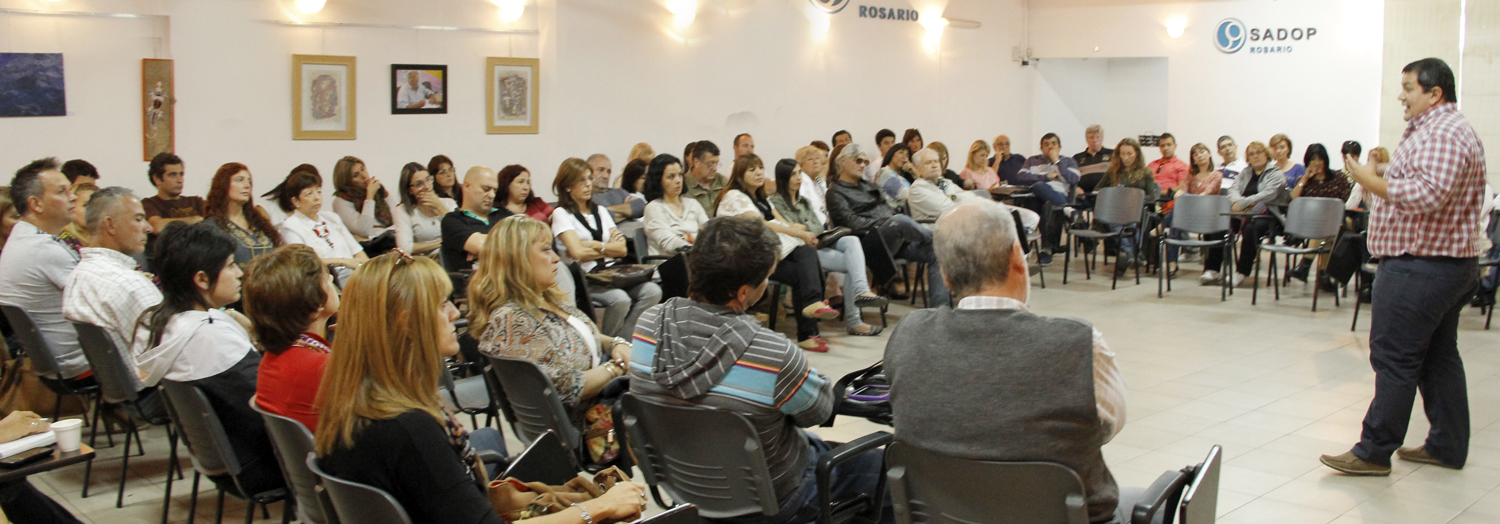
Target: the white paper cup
(69, 434)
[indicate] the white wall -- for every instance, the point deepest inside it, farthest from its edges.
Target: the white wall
(615, 72)
(1127, 96)
(1327, 90)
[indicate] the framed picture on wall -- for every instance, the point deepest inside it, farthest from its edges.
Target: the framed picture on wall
(512, 95)
(323, 97)
(418, 89)
(159, 130)
(31, 84)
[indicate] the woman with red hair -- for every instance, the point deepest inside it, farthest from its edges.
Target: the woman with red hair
(230, 206)
(513, 192)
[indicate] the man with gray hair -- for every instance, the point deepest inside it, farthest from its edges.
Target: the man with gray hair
(989, 380)
(108, 289)
(34, 265)
(618, 201)
(859, 205)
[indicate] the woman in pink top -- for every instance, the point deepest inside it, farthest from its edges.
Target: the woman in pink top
(1202, 179)
(977, 171)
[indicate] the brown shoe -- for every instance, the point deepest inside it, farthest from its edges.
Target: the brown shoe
(1349, 464)
(1419, 454)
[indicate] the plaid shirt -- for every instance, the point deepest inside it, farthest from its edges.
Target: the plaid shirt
(1435, 184)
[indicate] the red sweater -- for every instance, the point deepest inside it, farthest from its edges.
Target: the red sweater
(287, 384)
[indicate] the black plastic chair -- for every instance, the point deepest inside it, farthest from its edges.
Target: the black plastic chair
(1310, 218)
(1201, 215)
(1029, 244)
(715, 459)
(927, 486)
(679, 514)
(212, 454)
(547, 460)
(118, 386)
(44, 364)
(1190, 494)
(535, 407)
(1362, 278)
(292, 440)
(1116, 206)
(469, 395)
(357, 503)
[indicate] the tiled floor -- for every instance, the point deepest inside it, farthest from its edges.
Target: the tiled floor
(1274, 384)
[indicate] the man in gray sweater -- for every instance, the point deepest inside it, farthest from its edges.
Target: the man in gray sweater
(705, 350)
(989, 380)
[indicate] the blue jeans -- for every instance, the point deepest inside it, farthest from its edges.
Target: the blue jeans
(847, 256)
(1049, 193)
(850, 479)
(1127, 242)
(1414, 348)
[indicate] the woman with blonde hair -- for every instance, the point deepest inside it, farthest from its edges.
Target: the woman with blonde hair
(1258, 185)
(382, 422)
(589, 237)
(516, 310)
(1281, 153)
(977, 170)
(641, 151)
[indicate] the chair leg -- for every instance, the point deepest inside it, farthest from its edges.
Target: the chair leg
(286, 509)
(1315, 296)
(1067, 258)
(1161, 276)
(1358, 278)
(219, 512)
(94, 432)
(194, 504)
(1488, 316)
(250, 511)
(1254, 279)
(1273, 278)
(166, 503)
(125, 468)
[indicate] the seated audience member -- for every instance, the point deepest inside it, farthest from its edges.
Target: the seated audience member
(842, 138)
(381, 421)
(445, 179)
(949, 174)
(1258, 185)
(847, 255)
(745, 196)
(108, 289)
(1168, 170)
(35, 265)
(616, 200)
(195, 341)
(704, 183)
(360, 200)
(1054, 179)
(301, 197)
(1281, 154)
(744, 144)
(813, 162)
(516, 310)
(166, 175)
(1005, 164)
(895, 169)
(1319, 181)
(424, 211)
(671, 222)
(1094, 159)
(858, 205)
(80, 171)
(289, 298)
(977, 174)
(710, 326)
(820, 145)
(885, 139)
(19, 500)
(589, 237)
(1128, 169)
(912, 139)
(1376, 155)
(932, 194)
(513, 190)
(465, 227)
(632, 177)
(230, 206)
(1051, 387)
(1202, 179)
(8, 215)
(76, 233)
(640, 151)
(1232, 165)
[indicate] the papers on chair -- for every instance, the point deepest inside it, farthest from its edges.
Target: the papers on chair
(26, 443)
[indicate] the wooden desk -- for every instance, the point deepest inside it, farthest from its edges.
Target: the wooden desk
(59, 460)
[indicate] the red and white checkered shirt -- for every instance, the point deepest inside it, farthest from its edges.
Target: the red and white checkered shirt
(1435, 188)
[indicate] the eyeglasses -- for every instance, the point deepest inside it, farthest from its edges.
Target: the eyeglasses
(862, 161)
(405, 257)
(422, 184)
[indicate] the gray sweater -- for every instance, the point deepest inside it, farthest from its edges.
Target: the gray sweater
(1001, 385)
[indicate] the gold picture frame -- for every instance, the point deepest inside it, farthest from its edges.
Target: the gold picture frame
(512, 96)
(323, 97)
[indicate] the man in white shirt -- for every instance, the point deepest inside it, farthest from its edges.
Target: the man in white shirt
(35, 265)
(107, 289)
(413, 95)
(1232, 164)
(931, 194)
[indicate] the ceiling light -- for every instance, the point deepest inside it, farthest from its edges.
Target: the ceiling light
(310, 6)
(1175, 27)
(683, 11)
(511, 10)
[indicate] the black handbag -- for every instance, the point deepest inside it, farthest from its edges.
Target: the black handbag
(621, 275)
(830, 237)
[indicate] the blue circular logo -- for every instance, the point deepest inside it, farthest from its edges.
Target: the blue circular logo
(830, 6)
(1230, 35)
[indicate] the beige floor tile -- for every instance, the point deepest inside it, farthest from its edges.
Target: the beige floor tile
(1268, 511)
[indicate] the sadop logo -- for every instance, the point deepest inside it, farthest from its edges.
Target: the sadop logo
(831, 6)
(1230, 35)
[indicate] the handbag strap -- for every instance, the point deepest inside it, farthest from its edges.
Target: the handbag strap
(598, 230)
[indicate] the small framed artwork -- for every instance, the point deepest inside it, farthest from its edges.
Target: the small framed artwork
(512, 96)
(31, 84)
(159, 134)
(323, 104)
(418, 89)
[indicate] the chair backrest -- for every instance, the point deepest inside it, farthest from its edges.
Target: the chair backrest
(547, 460)
(1200, 503)
(679, 514)
(642, 245)
(200, 428)
(1119, 205)
(534, 401)
(118, 382)
(354, 502)
(581, 296)
(292, 441)
(700, 455)
(1201, 214)
(931, 487)
(1315, 217)
(43, 359)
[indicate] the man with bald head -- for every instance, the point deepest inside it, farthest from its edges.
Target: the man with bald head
(620, 202)
(465, 228)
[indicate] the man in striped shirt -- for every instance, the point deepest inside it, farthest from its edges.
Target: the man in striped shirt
(1424, 228)
(706, 350)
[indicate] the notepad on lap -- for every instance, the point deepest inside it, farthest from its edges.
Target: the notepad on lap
(26, 443)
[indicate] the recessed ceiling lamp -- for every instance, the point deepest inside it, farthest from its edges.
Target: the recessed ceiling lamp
(683, 11)
(511, 10)
(310, 6)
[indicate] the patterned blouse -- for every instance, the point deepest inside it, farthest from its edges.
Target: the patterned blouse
(550, 342)
(1333, 185)
(250, 243)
